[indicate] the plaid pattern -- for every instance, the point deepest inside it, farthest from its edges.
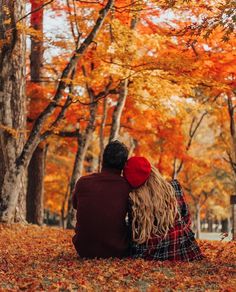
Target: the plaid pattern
(178, 244)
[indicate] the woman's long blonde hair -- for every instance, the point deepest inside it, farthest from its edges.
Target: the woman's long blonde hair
(154, 208)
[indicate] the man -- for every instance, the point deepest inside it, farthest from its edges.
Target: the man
(101, 201)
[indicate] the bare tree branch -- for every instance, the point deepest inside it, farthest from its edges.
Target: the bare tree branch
(231, 162)
(68, 134)
(72, 24)
(192, 133)
(194, 130)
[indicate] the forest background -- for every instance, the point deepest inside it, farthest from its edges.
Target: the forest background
(157, 75)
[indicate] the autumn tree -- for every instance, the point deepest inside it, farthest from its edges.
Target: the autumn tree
(20, 162)
(12, 110)
(34, 199)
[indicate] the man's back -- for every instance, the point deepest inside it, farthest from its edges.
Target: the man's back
(101, 200)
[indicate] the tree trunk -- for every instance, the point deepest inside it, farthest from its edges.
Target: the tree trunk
(232, 153)
(83, 144)
(34, 198)
(36, 52)
(133, 145)
(12, 111)
(101, 134)
(36, 167)
(2, 166)
(90, 160)
(210, 225)
(16, 153)
(116, 116)
(229, 223)
(231, 111)
(63, 207)
(224, 224)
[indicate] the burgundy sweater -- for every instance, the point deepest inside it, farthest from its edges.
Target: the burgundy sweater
(101, 200)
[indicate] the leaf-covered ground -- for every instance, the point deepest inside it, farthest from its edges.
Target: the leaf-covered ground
(43, 259)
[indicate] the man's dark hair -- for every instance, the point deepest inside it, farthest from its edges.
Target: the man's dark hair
(115, 155)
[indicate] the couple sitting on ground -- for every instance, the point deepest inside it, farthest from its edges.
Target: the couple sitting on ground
(139, 214)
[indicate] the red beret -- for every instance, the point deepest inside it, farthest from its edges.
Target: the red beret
(137, 171)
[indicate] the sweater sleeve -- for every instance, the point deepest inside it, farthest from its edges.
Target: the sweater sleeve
(129, 219)
(182, 205)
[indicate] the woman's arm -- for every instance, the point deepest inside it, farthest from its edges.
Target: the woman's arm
(182, 205)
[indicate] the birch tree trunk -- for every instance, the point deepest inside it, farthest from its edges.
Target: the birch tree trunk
(116, 116)
(12, 111)
(36, 169)
(101, 133)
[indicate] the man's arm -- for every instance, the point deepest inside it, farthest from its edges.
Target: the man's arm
(129, 219)
(75, 195)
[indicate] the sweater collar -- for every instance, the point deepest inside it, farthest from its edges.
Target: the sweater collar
(111, 170)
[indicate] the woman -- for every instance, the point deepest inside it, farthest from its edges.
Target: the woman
(160, 221)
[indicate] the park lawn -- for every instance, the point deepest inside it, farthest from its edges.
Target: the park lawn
(43, 259)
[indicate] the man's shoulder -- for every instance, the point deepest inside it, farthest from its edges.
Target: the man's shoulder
(101, 175)
(87, 177)
(98, 177)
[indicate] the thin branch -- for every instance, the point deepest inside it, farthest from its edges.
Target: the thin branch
(90, 2)
(94, 98)
(67, 103)
(68, 134)
(207, 194)
(59, 117)
(194, 49)
(71, 24)
(89, 89)
(191, 126)
(35, 10)
(118, 9)
(76, 23)
(192, 132)
(103, 95)
(231, 162)
(76, 38)
(101, 133)
(213, 100)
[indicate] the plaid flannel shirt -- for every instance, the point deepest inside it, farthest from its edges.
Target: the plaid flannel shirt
(178, 244)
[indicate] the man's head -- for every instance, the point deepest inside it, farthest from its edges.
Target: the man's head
(115, 155)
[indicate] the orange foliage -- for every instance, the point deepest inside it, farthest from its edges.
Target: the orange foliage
(160, 63)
